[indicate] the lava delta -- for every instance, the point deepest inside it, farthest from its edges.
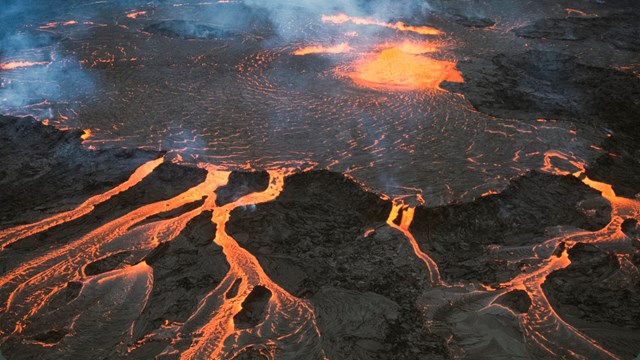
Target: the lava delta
(359, 179)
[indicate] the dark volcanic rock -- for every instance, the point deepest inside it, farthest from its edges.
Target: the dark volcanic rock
(364, 290)
(516, 300)
(622, 169)
(51, 336)
(240, 184)
(37, 161)
(171, 213)
(186, 30)
(631, 228)
(552, 85)
(254, 308)
(619, 30)
(474, 22)
(464, 239)
(599, 297)
(106, 264)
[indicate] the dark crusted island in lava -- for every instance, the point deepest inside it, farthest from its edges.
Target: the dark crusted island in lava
(396, 203)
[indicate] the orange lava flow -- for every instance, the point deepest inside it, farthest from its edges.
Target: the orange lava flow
(289, 322)
(287, 316)
(54, 24)
(134, 15)
(36, 280)
(319, 49)
(12, 235)
(578, 12)
(542, 322)
(400, 68)
(400, 26)
(20, 64)
(405, 222)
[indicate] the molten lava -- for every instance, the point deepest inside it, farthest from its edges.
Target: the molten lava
(400, 26)
(134, 15)
(402, 68)
(20, 64)
(87, 134)
(542, 319)
(319, 49)
(35, 282)
(406, 214)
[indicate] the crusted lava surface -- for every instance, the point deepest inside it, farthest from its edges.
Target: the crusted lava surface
(549, 84)
(44, 169)
(471, 241)
(599, 293)
(365, 289)
(327, 240)
(492, 217)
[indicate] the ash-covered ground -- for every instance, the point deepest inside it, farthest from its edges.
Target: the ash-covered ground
(344, 180)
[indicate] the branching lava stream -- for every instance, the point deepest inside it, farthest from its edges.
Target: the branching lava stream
(288, 321)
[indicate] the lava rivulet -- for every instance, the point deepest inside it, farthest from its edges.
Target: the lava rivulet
(288, 319)
(406, 214)
(14, 234)
(320, 49)
(21, 64)
(400, 26)
(542, 325)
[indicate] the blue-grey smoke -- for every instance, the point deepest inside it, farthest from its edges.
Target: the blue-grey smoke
(55, 76)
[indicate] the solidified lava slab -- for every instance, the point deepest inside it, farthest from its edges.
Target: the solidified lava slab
(620, 30)
(516, 300)
(553, 85)
(186, 30)
(465, 239)
(310, 241)
(599, 296)
(241, 183)
(474, 22)
(44, 168)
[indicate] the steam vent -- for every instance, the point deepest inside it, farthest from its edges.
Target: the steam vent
(319, 179)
